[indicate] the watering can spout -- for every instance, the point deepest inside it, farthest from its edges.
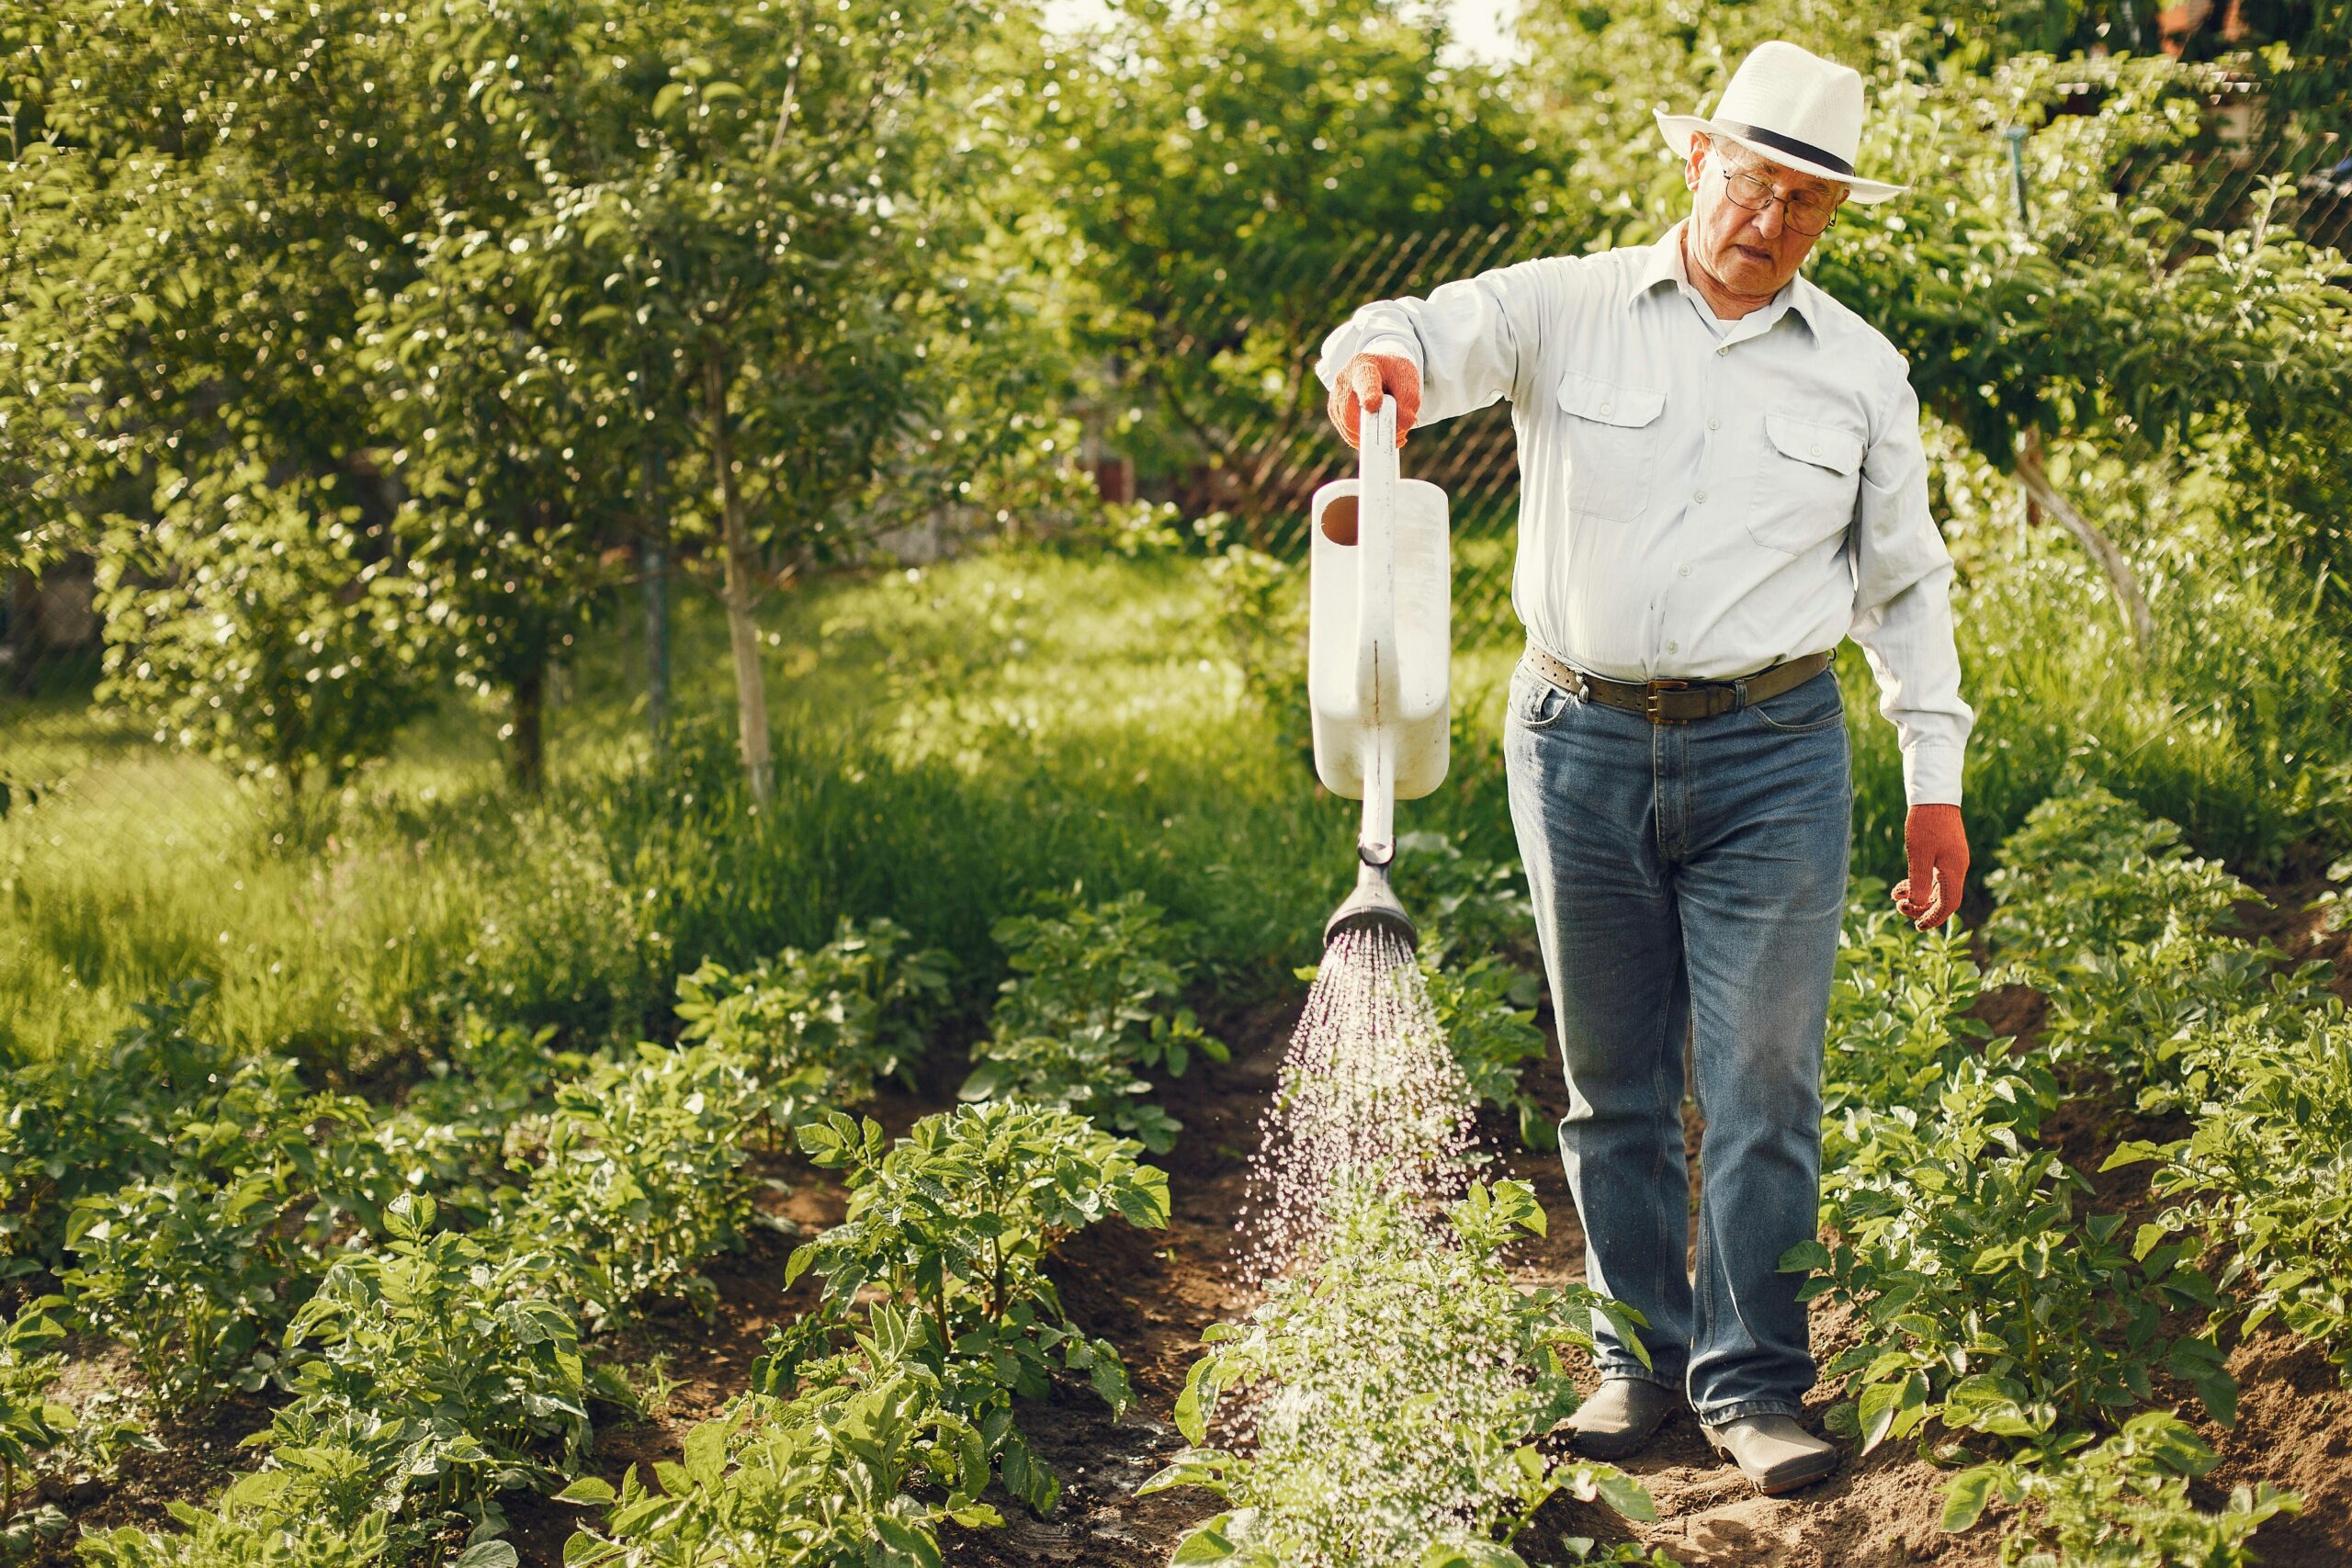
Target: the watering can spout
(1373, 905)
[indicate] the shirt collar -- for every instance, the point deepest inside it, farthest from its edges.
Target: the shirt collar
(1662, 263)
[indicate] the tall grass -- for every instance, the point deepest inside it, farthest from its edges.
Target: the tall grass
(950, 743)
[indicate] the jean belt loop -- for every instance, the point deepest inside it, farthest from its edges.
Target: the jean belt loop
(1739, 695)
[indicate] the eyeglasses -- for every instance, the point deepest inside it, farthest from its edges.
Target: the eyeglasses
(1806, 212)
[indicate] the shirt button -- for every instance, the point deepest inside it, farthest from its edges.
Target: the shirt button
(1604, 409)
(1702, 496)
(1682, 572)
(1673, 646)
(1714, 424)
(1725, 349)
(1817, 448)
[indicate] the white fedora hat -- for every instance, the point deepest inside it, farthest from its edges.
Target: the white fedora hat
(1790, 105)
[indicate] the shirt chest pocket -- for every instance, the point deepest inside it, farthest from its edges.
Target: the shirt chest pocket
(1611, 432)
(1805, 481)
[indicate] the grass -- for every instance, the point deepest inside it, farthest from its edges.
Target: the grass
(951, 743)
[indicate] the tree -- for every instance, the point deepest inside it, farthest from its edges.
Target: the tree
(771, 201)
(1218, 162)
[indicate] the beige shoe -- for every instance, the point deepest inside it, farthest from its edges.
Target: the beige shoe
(1773, 1452)
(1617, 1420)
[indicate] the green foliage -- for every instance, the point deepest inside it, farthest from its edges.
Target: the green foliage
(1467, 905)
(1094, 1001)
(936, 1315)
(820, 1030)
(1260, 603)
(74, 1127)
(2262, 1174)
(564, 938)
(252, 1528)
(1990, 1305)
(41, 1437)
(1218, 190)
(1898, 1024)
(252, 625)
(192, 1266)
(827, 1480)
(1394, 1391)
(2123, 1504)
(2104, 910)
(2090, 869)
(486, 1077)
(642, 1178)
(1487, 1010)
(440, 1362)
(956, 1219)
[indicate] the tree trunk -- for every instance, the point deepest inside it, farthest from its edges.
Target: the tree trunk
(654, 558)
(24, 631)
(741, 588)
(2121, 580)
(527, 756)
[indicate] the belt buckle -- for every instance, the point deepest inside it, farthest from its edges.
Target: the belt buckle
(1650, 693)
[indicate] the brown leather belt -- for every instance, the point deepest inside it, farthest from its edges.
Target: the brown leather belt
(1679, 702)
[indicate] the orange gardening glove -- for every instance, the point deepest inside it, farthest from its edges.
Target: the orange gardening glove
(1936, 846)
(1361, 384)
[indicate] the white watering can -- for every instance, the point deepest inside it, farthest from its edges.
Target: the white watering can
(1380, 655)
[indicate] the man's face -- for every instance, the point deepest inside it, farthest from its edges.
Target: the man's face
(1746, 253)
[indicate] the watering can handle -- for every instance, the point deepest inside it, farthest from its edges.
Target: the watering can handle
(1379, 688)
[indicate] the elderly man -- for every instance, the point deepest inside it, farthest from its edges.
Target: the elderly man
(1722, 478)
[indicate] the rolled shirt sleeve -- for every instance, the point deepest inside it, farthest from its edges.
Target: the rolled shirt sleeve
(1902, 618)
(1474, 340)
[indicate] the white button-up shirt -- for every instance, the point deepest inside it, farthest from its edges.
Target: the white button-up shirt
(1699, 498)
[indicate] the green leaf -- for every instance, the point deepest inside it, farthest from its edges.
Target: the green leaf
(1965, 1497)
(1804, 1256)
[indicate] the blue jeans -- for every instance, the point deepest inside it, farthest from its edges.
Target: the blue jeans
(1688, 881)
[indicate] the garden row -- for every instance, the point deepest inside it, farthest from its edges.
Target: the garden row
(426, 1283)
(1385, 1402)
(2019, 1339)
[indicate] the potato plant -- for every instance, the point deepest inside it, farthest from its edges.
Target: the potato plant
(2123, 1504)
(1393, 1392)
(42, 1438)
(250, 1528)
(957, 1220)
(193, 1267)
(820, 1030)
(1992, 1305)
(642, 1178)
(852, 1474)
(442, 1362)
(888, 1409)
(2264, 1175)
(2130, 938)
(1093, 1003)
(490, 1075)
(1898, 1024)
(1466, 906)
(74, 1126)
(1487, 1010)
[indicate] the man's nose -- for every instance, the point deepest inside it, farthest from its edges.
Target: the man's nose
(1767, 222)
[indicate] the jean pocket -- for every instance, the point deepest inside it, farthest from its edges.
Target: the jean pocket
(1812, 704)
(1535, 701)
